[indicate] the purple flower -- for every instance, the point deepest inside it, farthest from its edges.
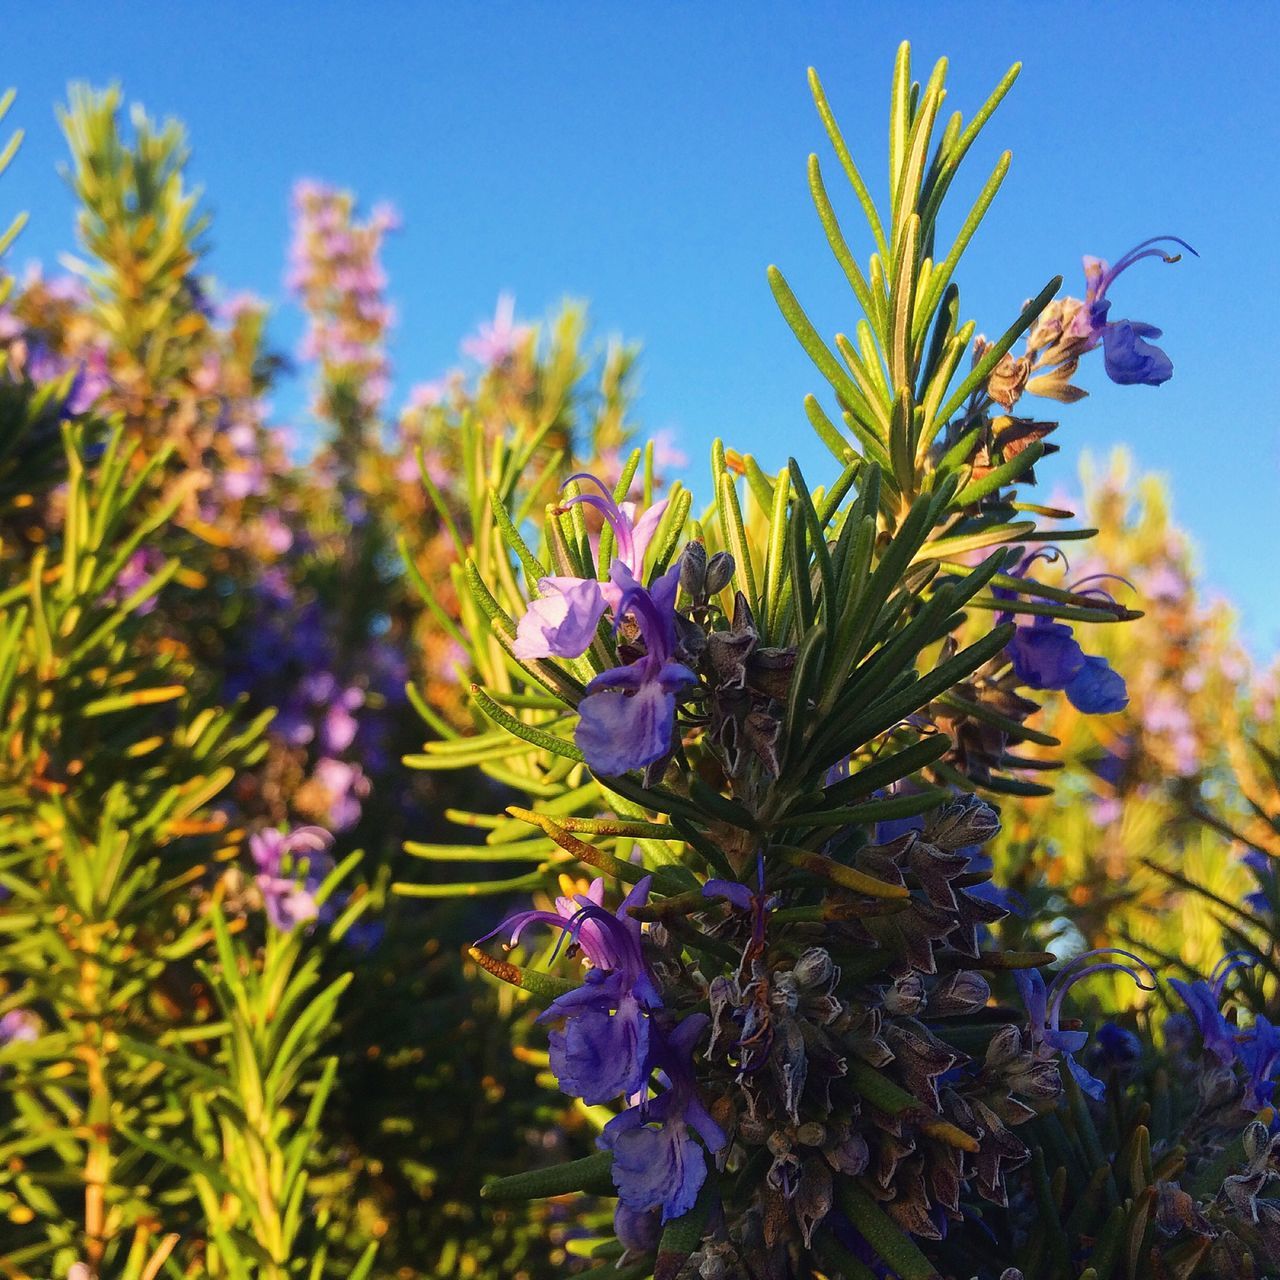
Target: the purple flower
(562, 622)
(290, 869)
(494, 343)
(18, 1026)
(600, 1041)
(1129, 357)
(1204, 999)
(1046, 655)
(1044, 1009)
(1118, 1045)
(627, 717)
(1259, 1053)
(657, 1162)
(345, 785)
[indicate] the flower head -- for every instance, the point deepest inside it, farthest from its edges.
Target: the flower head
(1044, 1008)
(1129, 357)
(626, 719)
(562, 622)
(600, 1038)
(291, 867)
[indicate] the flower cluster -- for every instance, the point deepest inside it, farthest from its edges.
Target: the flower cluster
(336, 272)
(609, 1036)
(290, 867)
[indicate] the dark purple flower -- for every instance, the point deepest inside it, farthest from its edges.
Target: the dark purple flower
(1096, 689)
(1046, 655)
(600, 1041)
(1259, 1053)
(290, 869)
(657, 1161)
(627, 717)
(1204, 1003)
(1118, 1045)
(1044, 1009)
(638, 1232)
(1129, 357)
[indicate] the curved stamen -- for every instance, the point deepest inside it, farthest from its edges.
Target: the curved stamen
(1050, 555)
(1225, 967)
(1070, 975)
(1136, 254)
(613, 515)
(1100, 577)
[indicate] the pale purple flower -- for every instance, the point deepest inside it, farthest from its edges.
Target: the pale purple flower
(290, 869)
(19, 1026)
(346, 786)
(562, 621)
(496, 341)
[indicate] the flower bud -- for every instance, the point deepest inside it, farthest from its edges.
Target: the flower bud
(906, 996)
(693, 569)
(963, 992)
(719, 573)
(964, 822)
(814, 968)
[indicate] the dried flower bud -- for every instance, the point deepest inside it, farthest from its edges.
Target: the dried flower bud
(964, 822)
(814, 968)
(719, 574)
(779, 1143)
(963, 992)
(1006, 381)
(906, 996)
(693, 569)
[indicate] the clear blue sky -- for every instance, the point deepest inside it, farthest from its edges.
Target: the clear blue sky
(651, 158)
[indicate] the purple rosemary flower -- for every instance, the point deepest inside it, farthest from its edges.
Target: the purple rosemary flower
(1259, 1053)
(562, 622)
(496, 341)
(18, 1026)
(1129, 357)
(657, 1162)
(1046, 655)
(601, 1031)
(1044, 1009)
(626, 719)
(1204, 1003)
(291, 867)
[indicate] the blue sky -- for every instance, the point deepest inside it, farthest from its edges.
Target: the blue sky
(651, 159)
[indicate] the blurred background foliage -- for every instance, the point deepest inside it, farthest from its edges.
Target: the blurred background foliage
(209, 630)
